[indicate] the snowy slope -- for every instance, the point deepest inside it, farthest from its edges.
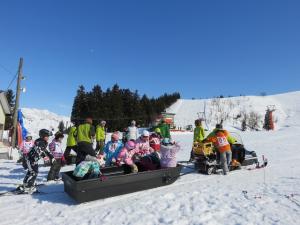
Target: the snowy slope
(36, 119)
(265, 196)
(187, 110)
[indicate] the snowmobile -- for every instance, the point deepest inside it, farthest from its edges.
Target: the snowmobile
(207, 159)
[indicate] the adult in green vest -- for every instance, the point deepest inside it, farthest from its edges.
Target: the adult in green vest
(199, 135)
(100, 137)
(85, 136)
(164, 129)
(71, 143)
(199, 132)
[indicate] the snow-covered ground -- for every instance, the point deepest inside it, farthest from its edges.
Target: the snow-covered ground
(264, 196)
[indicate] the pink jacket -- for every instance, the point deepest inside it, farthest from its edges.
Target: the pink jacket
(26, 146)
(125, 156)
(143, 147)
(168, 155)
(56, 149)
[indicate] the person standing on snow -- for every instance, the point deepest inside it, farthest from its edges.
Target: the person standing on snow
(164, 129)
(85, 136)
(112, 149)
(38, 151)
(100, 137)
(221, 140)
(57, 151)
(71, 143)
(25, 147)
(199, 135)
(132, 132)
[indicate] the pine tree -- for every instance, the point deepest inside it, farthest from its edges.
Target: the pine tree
(118, 106)
(61, 126)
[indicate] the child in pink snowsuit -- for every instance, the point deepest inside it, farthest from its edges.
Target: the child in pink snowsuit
(126, 156)
(143, 146)
(25, 147)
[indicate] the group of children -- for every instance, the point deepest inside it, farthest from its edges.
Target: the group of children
(138, 153)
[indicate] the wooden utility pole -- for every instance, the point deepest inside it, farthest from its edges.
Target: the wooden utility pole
(18, 91)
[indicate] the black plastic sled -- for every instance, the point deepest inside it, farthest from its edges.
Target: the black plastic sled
(117, 182)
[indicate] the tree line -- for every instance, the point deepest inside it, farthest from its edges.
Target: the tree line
(118, 106)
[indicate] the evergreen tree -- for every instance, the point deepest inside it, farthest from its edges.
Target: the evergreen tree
(61, 126)
(118, 106)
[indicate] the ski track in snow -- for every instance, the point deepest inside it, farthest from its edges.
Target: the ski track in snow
(242, 197)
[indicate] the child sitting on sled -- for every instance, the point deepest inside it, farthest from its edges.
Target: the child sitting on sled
(168, 152)
(126, 156)
(143, 147)
(89, 168)
(112, 149)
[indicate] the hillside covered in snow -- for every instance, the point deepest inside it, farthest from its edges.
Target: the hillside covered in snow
(36, 119)
(233, 110)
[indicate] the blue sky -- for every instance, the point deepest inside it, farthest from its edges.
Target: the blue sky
(199, 48)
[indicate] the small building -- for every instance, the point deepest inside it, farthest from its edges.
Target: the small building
(167, 117)
(4, 111)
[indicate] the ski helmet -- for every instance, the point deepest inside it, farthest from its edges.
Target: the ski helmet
(45, 133)
(103, 122)
(130, 145)
(133, 123)
(146, 133)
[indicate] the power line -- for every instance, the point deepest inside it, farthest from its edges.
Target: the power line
(7, 70)
(11, 82)
(13, 78)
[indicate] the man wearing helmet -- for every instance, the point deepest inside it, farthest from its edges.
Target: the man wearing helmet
(38, 151)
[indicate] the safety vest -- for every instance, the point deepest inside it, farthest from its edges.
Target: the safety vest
(83, 133)
(71, 141)
(100, 133)
(221, 142)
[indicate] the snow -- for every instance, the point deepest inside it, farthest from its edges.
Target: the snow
(187, 110)
(266, 196)
(36, 119)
